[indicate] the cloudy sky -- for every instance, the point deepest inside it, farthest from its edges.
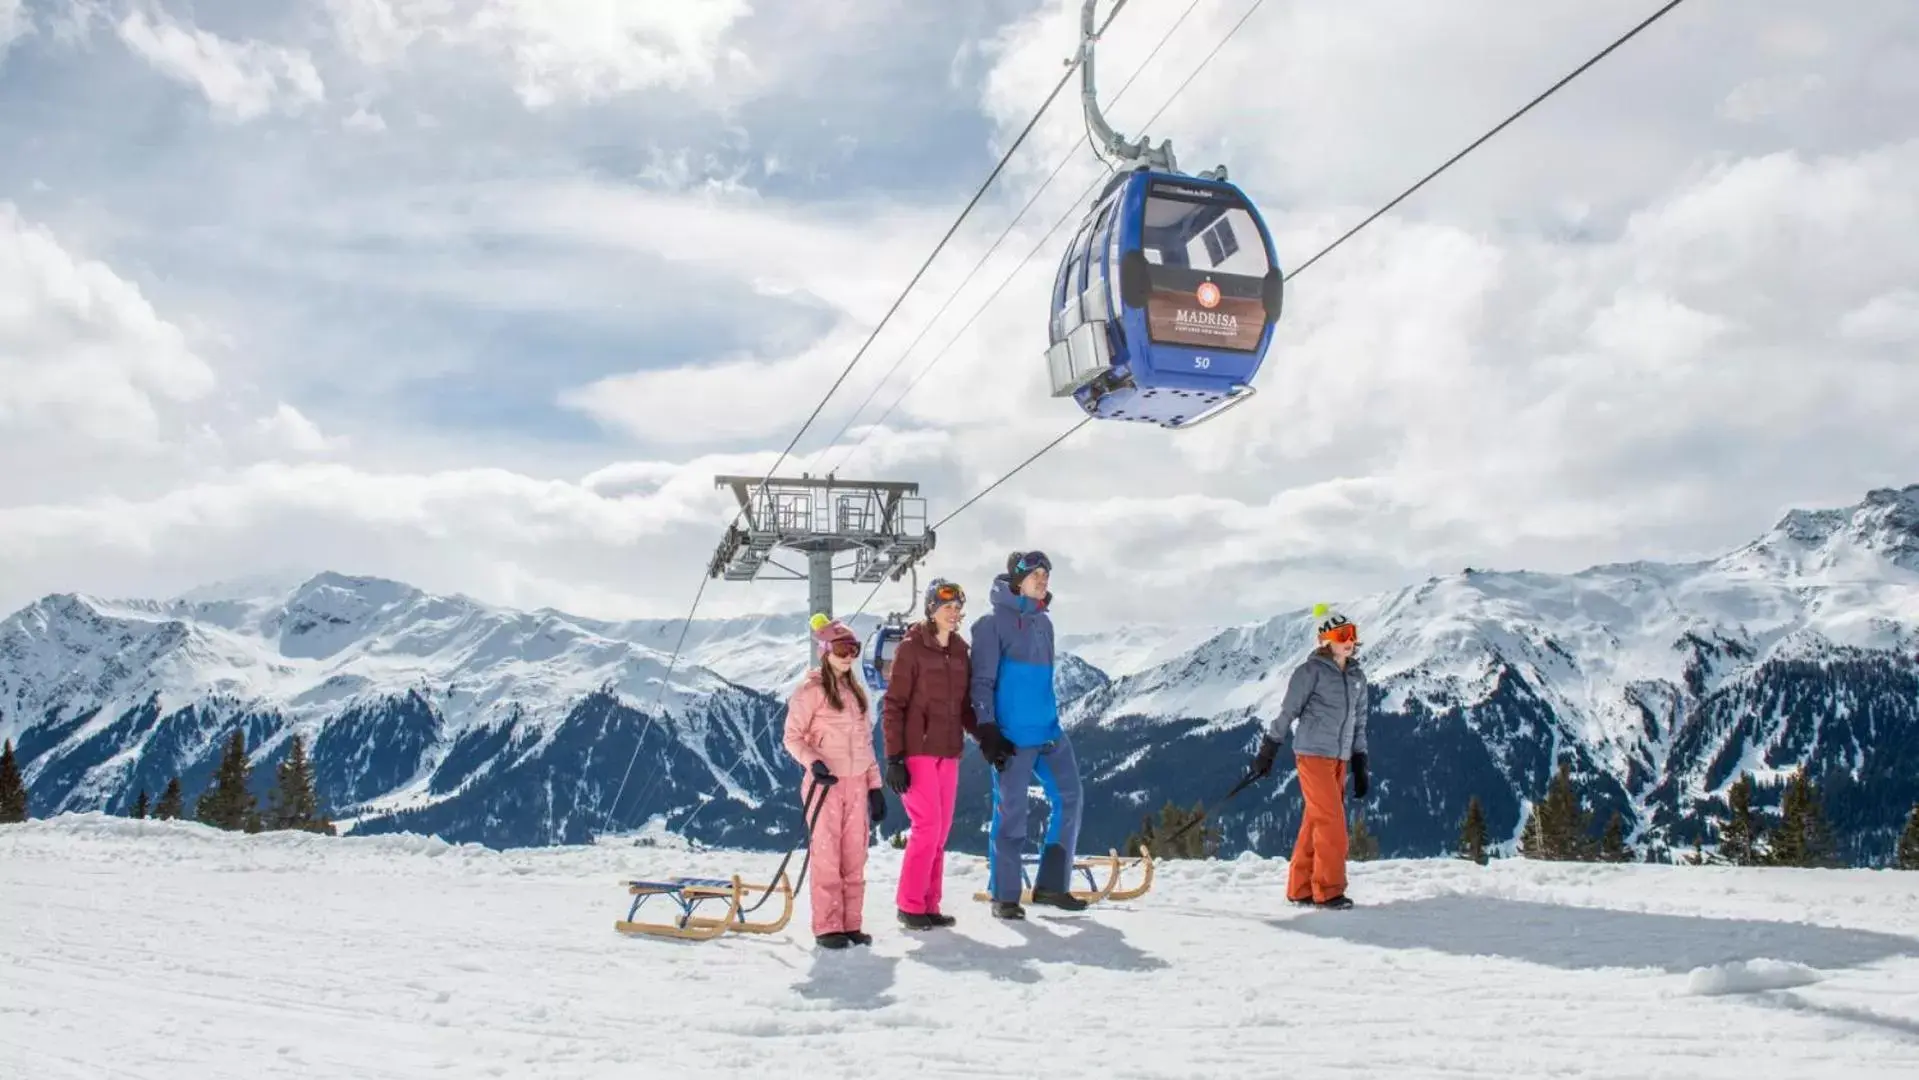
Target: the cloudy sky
(481, 294)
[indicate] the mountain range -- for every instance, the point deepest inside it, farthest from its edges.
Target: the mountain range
(1660, 683)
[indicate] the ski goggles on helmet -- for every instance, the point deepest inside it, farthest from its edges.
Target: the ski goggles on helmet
(945, 592)
(1344, 632)
(1031, 561)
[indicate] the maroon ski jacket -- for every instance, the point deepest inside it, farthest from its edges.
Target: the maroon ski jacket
(927, 709)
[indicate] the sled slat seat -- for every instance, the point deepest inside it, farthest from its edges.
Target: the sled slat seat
(689, 892)
(680, 884)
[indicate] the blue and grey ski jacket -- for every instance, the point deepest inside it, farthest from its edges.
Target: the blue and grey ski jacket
(1013, 668)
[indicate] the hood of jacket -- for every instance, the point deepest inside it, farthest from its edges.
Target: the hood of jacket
(1005, 598)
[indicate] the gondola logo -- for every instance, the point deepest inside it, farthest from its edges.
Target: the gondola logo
(1205, 322)
(1208, 295)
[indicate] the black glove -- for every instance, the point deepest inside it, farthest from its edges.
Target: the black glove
(996, 748)
(1263, 761)
(896, 775)
(823, 775)
(876, 805)
(1359, 775)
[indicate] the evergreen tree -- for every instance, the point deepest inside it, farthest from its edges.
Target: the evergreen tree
(140, 804)
(227, 804)
(13, 788)
(1803, 839)
(1198, 842)
(1906, 855)
(1571, 836)
(1559, 828)
(292, 804)
(1612, 846)
(172, 803)
(1473, 832)
(1742, 833)
(1361, 845)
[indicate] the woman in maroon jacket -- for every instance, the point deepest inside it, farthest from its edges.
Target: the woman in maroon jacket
(926, 715)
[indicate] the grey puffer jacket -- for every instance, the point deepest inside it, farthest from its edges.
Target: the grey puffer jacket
(1330, 705)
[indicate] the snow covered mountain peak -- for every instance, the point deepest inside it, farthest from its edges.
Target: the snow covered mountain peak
(440, 712)
(331, 641)
(1879, 532)
(1586, 643)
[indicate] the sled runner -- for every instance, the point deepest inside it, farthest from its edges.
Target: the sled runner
(1093, 893)
(689, 893)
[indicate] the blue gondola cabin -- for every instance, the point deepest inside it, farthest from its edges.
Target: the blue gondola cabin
(1165, 303)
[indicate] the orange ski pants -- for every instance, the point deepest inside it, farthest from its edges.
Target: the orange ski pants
(1318, 868)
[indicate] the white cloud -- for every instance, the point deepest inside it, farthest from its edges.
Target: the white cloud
(288, 428)
(1891, 318)
(718, 400)
(561, 51)
(363, 120)
(582, 50)
(14, 23)
(379, 32)
(1669, 301)
(81, 350)
(242, 80)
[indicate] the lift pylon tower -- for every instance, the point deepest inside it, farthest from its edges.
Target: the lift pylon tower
(883, 524)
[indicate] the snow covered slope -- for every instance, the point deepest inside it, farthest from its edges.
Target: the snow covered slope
(441, 714)
(167, 950)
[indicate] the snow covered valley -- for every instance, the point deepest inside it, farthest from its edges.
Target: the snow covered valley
(150, 949)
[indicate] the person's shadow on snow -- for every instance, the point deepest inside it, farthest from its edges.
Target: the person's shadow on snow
(1076, 940)
(1574, 938)
(850, 978)
(1588, 938)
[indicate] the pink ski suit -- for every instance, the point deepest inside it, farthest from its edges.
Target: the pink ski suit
(815, 731)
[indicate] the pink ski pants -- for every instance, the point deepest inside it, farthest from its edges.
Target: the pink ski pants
(839, 858)
(932, 784)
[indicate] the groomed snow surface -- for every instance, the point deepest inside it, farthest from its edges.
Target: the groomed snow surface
(166, 949)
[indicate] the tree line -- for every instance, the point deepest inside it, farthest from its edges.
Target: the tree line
(227, 802)
(1559, 828)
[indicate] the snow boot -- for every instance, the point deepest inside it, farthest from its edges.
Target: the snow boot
(859, 937)
(941, 920)
(834, 940)
(1337, 903)
(1304, 901)
(1007, 909)
(1065, 901)
(915, 921)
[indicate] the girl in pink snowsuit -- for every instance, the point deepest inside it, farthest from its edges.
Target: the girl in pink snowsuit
(828, 734)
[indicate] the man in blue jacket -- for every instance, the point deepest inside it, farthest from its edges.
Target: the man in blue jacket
(1020, 734)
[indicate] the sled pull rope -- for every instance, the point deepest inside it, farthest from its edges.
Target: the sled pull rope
(1244, 783)
(806, 803)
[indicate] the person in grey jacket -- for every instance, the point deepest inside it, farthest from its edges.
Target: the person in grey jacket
(1326, 705)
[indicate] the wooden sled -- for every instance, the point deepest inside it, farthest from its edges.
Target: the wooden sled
(690, 892)
(1145, 860)
(1093, 893)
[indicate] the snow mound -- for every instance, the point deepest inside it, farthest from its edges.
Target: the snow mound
(1749, 977)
